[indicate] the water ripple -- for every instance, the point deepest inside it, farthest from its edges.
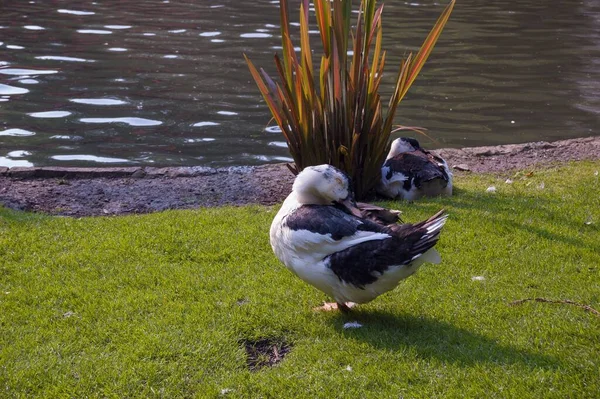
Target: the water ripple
(75, 12)
(200, 140)
(50, 114)
(66, 137)
(89, 158)
(12, 163)
(200, 124)
(7, 90)
(18, 154)
(95, 31)
(61, 58)
(16, 132)
(255, 35)
(131, 121)
(280, 144)
(26, 72)
(273, 129)
(98, 101)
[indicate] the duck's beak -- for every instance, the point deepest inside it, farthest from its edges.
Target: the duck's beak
(351, 206)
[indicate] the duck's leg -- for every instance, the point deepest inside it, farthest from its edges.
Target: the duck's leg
(342, 307)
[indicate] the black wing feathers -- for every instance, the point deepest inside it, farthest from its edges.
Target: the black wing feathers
(363, 263)
(328, 220)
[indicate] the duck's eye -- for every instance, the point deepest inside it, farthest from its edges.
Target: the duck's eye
(339, 181)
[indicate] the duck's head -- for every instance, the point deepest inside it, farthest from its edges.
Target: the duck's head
(402, 145)
(324, 185)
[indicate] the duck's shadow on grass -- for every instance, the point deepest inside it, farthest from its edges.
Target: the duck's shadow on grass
(435, 339)
(505, 208)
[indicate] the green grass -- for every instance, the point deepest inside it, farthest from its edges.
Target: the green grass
(159, 305)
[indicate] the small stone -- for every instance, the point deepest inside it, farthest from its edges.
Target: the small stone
(68, 314)
(352, 324)
(541, 186)
(491, 189)
(225, 391)
(588, 221)
(138, 174)
(508, 181)
(478, 278)
(462, 167)
(348, 368)
(596, 173)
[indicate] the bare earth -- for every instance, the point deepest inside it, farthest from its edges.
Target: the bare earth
(113, 191)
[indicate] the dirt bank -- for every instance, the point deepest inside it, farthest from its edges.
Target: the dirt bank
(111, 191)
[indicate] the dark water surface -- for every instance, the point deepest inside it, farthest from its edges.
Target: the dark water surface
(126, 82)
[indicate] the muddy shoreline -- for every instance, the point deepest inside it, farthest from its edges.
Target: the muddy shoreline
(115, 191)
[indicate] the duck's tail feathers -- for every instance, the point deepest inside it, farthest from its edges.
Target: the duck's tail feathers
(433, 227)
(434, 224)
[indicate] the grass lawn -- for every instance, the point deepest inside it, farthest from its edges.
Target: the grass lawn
(163, 305)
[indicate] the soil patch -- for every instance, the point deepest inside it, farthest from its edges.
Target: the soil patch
(264, 353)
(114, 191)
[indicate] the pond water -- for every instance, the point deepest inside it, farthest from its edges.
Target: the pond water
(123, 82)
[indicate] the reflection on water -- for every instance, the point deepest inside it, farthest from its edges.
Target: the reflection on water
(7, 90)
(50, 114)
(127, 121)
(97, 101)
(165, 83)
(13, 163)
(59, 58)
(74, 12)
(16, 132)
(24, 72)
(91, 158)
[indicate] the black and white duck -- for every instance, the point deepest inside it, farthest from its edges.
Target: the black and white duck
(411, 172)
(322, 237)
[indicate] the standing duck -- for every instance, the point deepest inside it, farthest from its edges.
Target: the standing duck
(321, 236)
(410, 172)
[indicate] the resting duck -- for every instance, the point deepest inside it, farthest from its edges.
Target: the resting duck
(321, 236)
(410, 172)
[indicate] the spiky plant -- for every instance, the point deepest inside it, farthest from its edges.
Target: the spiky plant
(341, 122)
